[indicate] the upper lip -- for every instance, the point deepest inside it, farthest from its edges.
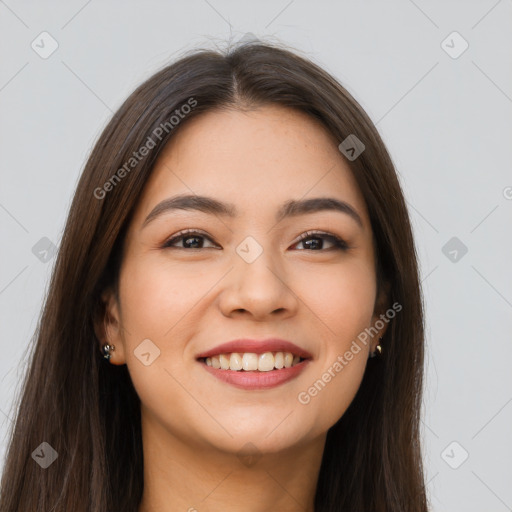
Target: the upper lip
(256, 347)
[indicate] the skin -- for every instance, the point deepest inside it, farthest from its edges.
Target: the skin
(191, 299)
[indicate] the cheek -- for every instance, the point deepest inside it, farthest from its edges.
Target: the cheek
(158, 304)
(341, 297)
(159, 296)
(330, 393)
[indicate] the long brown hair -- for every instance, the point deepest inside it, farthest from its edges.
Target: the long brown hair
(88, 409)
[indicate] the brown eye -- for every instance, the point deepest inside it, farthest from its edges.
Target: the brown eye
(315, 241)
(191, 240)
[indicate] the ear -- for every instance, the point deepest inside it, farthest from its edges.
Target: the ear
(108, 327)
(382, 303)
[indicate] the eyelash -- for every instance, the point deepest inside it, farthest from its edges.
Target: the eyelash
(338, 243)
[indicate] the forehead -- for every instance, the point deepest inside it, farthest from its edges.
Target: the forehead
(257, 159)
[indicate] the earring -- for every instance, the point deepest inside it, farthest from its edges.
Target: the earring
(107, 347)
(106, 351)
(378, 350)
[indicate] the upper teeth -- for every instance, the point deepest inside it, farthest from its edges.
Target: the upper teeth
(250, 361)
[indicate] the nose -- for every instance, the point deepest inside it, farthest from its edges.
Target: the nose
(258, 290)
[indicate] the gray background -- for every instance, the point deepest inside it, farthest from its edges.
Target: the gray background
(446, 121)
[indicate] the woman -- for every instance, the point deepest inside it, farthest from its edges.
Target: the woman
(235, 317)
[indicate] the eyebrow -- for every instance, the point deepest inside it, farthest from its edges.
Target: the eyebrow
(291, 208)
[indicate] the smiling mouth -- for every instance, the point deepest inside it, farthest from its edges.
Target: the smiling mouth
(252, 362)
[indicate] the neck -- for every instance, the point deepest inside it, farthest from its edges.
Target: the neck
(180, 475)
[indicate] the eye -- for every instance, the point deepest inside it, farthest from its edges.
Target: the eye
(192, 239)
(314, 240)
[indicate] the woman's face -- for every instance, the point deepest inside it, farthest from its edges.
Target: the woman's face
(246, 275)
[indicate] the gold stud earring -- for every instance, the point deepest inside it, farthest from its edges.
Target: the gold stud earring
(378, 350)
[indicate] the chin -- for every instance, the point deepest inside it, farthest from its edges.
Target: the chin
(272, 434)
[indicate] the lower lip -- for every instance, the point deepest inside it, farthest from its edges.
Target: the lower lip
(256, 379)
